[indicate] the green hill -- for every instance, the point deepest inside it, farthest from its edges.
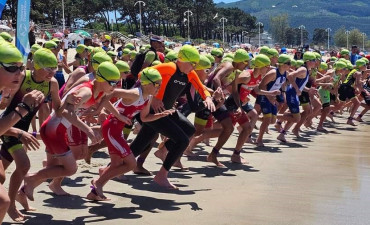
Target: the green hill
(312, 14)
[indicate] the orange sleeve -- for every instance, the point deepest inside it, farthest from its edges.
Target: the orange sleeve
(166, 70)
(198, 85)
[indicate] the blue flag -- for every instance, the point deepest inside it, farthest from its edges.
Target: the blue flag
(23, 25)
(2, 5)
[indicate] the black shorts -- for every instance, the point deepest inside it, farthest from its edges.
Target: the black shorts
(333, 97)
(10, 145)
(346, 92)
(304, 98)
(231, 106)
(220, 114)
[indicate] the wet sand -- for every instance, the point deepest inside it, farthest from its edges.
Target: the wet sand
(317, 179)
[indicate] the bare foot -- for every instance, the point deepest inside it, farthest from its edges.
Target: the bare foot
(28, 189)
(22, 199)
(350, 122)
(164, 182)
(189, 153)
(296, 133)
(160, 154)
(15, 215)
(238, 159)
(57, 189)
(281, 137)
(321, 129)
(278, 126)
(212, 157)
(140, 170)
(260, 143)
(97, 189)
(93, 195)
(359, 119)
(178, 164)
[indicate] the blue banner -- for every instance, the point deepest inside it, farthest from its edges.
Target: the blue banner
(23, 26)
(2, 5)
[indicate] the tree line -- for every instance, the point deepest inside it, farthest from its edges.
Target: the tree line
(162, 17)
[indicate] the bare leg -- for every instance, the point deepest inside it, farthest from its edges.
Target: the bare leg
(4, 198)
(306, 111)
(117, 166)
(22, 163)
(67, 167)
(264, 125)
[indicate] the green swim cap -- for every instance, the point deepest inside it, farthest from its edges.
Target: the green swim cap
(166, 50)
(299, 63)
(284, 58)
(99, 58)
(360, 63)
(133, 54)
(171, 56)
(333, 59)
(10, 54)
(122, 66)
(365, 59)
(344, 52)
(260, 61)
(349, 65)
(323, 66)
(272, 53)
(264, 50)
(2, 39)
(340, 65)
(56, 40)
(211, 58)
(90, 48)
(130, 46)
(229, 55)
(98, 49)
(308, 56)
(6, 36)
(216, 52)
(317, 55)
(112, 53)
(227, 59)
(44, 58)
(156, 62)
(149, 75)
(80, 48)
(35, 47)
(203, 63)
(188, 53)
(107, 70)
(126, 51)
(293, 62)
(51, 45)
(241, 56)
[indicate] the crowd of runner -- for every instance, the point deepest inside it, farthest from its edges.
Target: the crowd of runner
(152, 91)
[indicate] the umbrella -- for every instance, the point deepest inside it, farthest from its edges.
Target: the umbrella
(4, 27)
(48, 34)
(75, 37)
(83, 33)
(58, 35)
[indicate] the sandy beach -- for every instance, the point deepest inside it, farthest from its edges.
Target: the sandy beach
(317, 179)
